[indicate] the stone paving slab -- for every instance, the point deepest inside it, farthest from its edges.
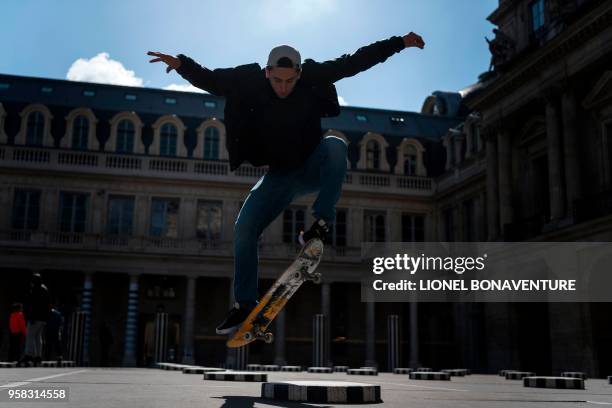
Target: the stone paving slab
(146, 388)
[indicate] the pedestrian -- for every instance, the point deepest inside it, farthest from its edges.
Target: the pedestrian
(37, 313)
(17, 332)
(53, 335)
(273, 117)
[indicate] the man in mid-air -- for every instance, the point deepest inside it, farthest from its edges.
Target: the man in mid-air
(273, 117)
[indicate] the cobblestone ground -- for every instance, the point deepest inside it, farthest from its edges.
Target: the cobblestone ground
(125, 387)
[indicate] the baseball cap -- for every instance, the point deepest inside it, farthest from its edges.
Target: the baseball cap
(284, 51)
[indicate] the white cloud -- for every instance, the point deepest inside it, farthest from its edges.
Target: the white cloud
(103, 70)
(342, 101)
(183, 88)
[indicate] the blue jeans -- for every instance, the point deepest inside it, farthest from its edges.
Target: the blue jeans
(323, 171)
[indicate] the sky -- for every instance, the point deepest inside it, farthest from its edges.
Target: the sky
(107, 41)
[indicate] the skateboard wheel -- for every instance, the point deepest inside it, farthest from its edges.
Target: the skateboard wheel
(316, 278)
(248, 336)
(268, 337)
(297, 275)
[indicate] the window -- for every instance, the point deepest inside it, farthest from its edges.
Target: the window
(537, 15)
(373, 155)
(361, 118)
(80, 133)
(208, 223)
(338, 231)
(26, 210)
(170, 101)
(89, 92)
(374, 227)
(120, 215)
(448, 225)
(413, 229)
(35, 129)
(164, 217)
(125, 136)
(46, 89)
(130, 97)
(293, 223)
(211, 143)
(210, 104)
(73, 212)
(167, 142)
(410, 160)
(4, 85)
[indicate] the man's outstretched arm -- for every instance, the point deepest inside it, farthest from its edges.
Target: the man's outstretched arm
(363, 59)
(216, 81)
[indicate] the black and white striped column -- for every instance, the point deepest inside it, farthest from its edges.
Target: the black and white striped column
(370, 334)
(129, 350)
(242, 357)
(86, 309)
(414, 331)
(279, 339)
(188, 323)
(393, 342)
(319, 346)
(161, 337)
(75, 339)
(326, 310)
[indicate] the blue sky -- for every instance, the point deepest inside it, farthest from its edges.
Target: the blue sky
(106, 41)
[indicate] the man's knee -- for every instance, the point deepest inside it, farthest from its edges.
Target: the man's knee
(336, 147)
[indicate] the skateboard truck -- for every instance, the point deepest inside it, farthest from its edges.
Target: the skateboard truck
(268, 337)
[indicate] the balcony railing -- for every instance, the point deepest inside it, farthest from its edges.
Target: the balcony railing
(51, 159)
(156, 245)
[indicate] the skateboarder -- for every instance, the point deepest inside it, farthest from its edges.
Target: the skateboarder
(273, 117)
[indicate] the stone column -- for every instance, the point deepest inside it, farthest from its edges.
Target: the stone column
(189, 322)
(356, 226)
(570, 136)
(140, 216)
(458, 139)
(370, 335)
(492, 189)
(131, 326)
(279, 339)
(505, 178)
(414, 332)
(326, 310)
(49, 209)
(555, 165)
(86, 302)
(479, 214)
(395, 225)
(446, 141)
(98, 199)
(188, 218)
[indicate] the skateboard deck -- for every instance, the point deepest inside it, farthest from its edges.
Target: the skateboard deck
(301, 270)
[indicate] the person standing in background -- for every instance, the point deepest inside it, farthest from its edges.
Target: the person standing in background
(36, 316)
(17, 332)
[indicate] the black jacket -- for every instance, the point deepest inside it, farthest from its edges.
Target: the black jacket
(266, 130)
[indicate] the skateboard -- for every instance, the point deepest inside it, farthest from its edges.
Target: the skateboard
(302, 269)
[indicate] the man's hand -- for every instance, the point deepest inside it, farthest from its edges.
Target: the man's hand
(171, 61)
(413, 40)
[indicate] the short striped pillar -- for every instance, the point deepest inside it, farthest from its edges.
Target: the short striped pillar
(75, 337)
(161, 337)
(242, 357)
(129, 350)
(319, 345)
(86, 308)
(393, 342)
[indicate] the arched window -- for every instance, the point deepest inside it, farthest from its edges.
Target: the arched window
(36, 129)
(211, 143)
(373, 155)
(410, 161)
(167, 140)
(80, 133)
(125, 136)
